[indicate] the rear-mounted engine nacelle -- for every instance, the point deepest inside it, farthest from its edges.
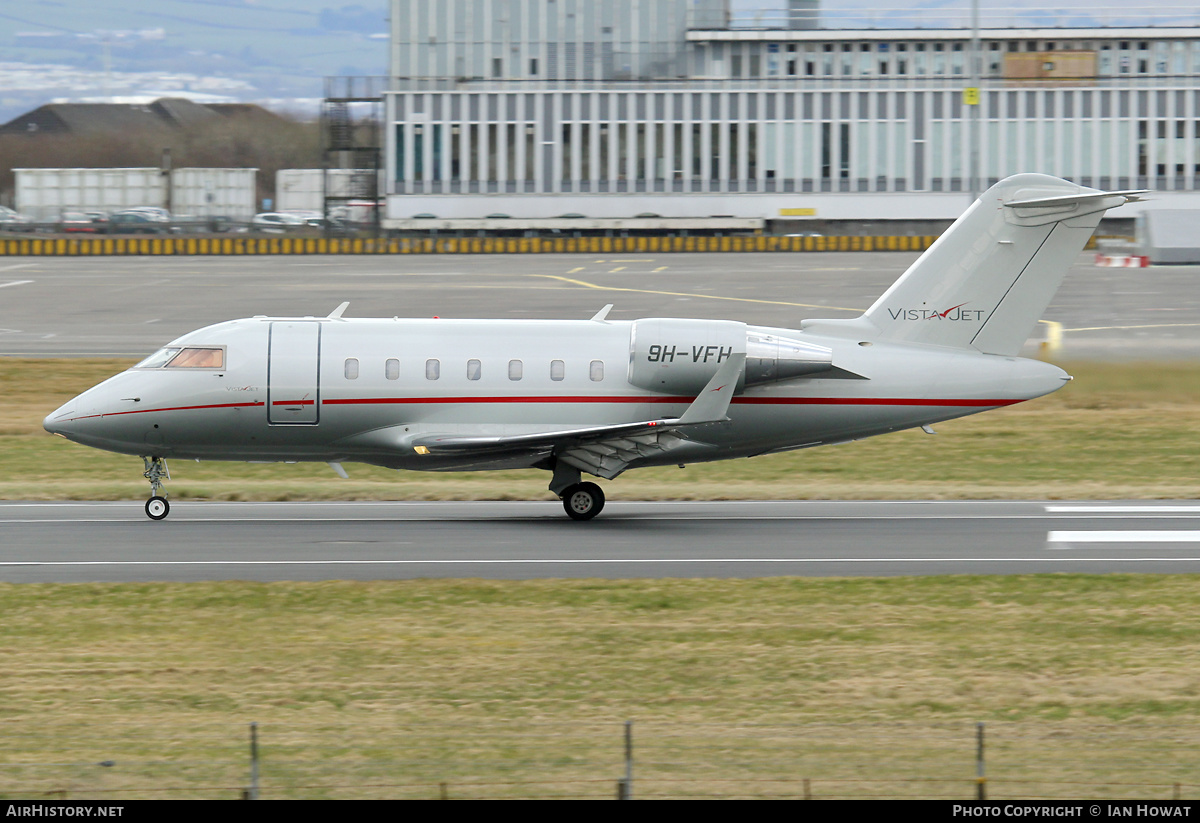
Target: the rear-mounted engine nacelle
(680, 356)
(771, 358)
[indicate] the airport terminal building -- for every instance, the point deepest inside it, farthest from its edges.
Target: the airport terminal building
(662, 109)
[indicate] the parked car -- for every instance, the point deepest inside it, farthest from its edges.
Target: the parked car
(155, 210)
(11, 220)
(278, 222)
(139, 221)
(83, 221)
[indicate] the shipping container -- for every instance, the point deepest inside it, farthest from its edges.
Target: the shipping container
(303, 189)
(44, 194)
(209, 193)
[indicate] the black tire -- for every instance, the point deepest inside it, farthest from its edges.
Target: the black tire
(157, 508)
(583, 501)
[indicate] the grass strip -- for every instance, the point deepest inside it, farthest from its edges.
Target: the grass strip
(1089, 685)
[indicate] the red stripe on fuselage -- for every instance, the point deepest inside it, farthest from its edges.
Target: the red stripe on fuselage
(173, 408)
(580, 399)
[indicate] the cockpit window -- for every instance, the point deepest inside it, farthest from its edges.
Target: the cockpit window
(158, 359)
(191, 357)
(195, 358)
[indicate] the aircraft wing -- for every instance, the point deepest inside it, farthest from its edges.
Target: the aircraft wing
(605, 451)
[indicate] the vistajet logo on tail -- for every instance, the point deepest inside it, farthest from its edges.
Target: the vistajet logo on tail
(954, 313)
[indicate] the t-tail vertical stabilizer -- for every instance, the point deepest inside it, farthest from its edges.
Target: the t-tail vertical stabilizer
(985, 283)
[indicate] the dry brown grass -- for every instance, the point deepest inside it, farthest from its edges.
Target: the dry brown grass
(525, 686)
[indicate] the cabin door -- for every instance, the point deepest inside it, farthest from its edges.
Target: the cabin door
(293, 369)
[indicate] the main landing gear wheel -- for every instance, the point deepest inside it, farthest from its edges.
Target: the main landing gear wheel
(583, 501)
(157, 508)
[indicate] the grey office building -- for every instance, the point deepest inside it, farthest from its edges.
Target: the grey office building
(617, 108)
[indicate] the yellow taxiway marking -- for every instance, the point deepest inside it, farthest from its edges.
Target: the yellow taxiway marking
(587, 285)
(576, 269)
(617, 269)
(661, 268)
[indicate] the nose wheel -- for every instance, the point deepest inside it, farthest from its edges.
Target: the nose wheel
(157, 506)
(583, 501)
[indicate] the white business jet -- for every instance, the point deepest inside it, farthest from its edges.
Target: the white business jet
(600, 396)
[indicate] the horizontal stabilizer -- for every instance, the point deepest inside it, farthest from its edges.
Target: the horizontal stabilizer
(1130, 195)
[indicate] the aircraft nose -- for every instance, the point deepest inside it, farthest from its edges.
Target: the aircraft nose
(59, 420)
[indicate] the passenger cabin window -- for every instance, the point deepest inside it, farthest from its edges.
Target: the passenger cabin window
(516, 369)
(596, 371)
(433, 369)
(474, 369)
(351, 368)
(190, 357)
(391, 369)
(558, 370)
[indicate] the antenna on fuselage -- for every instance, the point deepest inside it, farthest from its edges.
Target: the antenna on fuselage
(337, 313)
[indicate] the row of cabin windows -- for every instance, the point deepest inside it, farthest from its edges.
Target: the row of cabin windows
(516, 369)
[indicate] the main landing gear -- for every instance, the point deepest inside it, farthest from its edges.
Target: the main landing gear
(157, 506)
(583, 501)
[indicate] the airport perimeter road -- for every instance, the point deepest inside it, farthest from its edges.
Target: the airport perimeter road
(130, 306)
(76, 542)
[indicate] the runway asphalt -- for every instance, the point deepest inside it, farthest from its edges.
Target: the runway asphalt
(131, 306)
(89, 542)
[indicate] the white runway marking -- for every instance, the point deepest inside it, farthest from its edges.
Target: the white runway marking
(1127, 509)
(1125, 537)
(14, 283)
(593, 561)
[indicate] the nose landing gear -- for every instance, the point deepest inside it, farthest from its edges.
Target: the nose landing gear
(157, 506)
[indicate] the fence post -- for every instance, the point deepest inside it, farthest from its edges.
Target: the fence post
(980, 776)
(252, 792)
(625, 784)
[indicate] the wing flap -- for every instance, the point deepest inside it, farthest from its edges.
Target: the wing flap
(457, 444)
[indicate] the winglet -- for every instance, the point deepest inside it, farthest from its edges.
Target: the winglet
(336, 314)
(711, 404)
(600, 316)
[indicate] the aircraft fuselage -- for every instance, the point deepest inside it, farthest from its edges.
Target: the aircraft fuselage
(363, 390)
